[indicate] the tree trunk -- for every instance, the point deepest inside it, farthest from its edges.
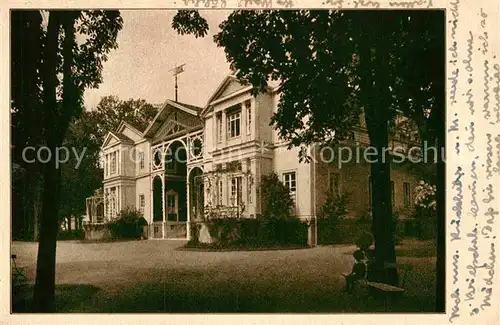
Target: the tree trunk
(44, 291)
(374, 74)
(384, 269)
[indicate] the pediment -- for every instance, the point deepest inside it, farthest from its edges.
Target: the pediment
(169, 128)
(231, 87)
(110, 140)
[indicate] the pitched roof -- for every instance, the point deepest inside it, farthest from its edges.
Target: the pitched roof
(193, 107)
(123, 137)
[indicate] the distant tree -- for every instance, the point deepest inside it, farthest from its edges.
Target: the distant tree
(111, 111)
(88, 132)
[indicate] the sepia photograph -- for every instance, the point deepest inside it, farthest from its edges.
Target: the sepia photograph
(227, 161)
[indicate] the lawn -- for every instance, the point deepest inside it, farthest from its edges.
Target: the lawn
(158, 276)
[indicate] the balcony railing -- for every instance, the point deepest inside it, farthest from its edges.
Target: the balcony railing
(222, 212)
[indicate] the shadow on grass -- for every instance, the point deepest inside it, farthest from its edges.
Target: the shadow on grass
(68, 296)
(152, 298)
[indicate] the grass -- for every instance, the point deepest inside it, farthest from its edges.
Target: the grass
(218, 246)
(155, 276)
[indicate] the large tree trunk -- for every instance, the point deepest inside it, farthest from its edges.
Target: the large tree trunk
(46, 260)
(56, 123)
(384, 269)
(375, 94)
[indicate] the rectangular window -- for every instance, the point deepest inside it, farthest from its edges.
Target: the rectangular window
(249, 116)
(142, 203)
(236, 191)
(113, 198)
(141, 160)
(113, 162)
(290, 182)
(220, 129)
(334, 183)
(220, 193)
(233, 125)
(406, 194)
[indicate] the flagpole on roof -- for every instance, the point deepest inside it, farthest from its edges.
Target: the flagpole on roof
(177, 70)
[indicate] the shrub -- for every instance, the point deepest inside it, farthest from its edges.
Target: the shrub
(257, 232)
(130, 224)
(77, 234)
(334, 208)
(276, 200)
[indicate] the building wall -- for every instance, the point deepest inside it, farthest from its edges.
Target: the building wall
(354, 182)
(143, 186)
(287, 161)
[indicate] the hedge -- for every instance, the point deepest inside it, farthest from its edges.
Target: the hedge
(255, 232)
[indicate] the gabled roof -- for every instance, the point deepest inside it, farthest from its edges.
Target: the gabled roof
(134, 128)
(121, 138)
(162, 114)
(222, 86)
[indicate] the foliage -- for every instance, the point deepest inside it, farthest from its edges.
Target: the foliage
(425, 196)
(341, 231)
(87, 133)
(77, 234)
(58, 69)
(334, 208)
(129, 224)
(111, 111)
(276, 200)
(264, 232)
(190, 22)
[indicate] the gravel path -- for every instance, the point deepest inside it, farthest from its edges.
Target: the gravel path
(155, 276)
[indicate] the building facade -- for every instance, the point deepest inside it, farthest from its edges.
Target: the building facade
(193, 163)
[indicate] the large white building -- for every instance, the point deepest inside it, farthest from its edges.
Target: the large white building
(191, 163)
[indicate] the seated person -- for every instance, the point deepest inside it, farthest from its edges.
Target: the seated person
(359, 270)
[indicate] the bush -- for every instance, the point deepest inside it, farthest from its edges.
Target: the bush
(426, 223)
(334, 208)
(77, 234)
(276, 200)
(257, 232)
(130, 224)
(341, 231)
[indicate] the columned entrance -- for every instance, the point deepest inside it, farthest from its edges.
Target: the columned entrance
(157, 225)
(196, 194)
(175, 203)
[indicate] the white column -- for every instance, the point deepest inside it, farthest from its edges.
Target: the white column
(119, 203)
(188, 199)
(224, 128)
(243, 122)
(163, 187)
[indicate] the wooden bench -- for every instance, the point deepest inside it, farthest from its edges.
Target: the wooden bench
(384, 288)
(18, 272)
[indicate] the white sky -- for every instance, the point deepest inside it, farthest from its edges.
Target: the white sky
(148, 48)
